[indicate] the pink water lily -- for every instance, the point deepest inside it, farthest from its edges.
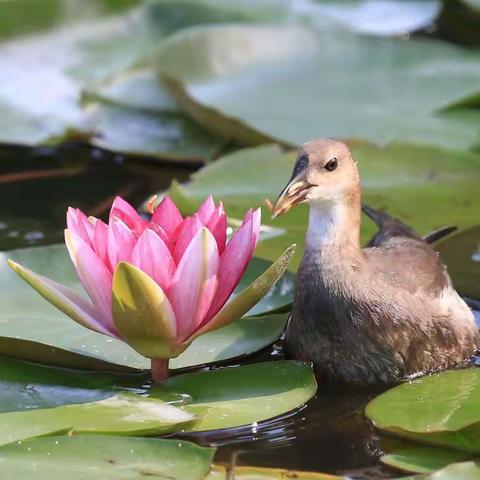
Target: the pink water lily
(157, 284)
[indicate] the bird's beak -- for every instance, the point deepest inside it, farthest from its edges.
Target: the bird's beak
(294, 193)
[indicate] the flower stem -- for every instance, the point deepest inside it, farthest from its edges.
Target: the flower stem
(159, 369)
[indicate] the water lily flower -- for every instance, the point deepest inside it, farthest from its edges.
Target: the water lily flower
(158, 284)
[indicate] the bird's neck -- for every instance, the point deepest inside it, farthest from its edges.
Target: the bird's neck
(334, 229)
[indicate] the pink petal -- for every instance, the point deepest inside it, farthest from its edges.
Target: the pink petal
(234, 260)
(187, 231)
(161, 233)
(78, 222)
(167, 216)
(194, 283)
(218, 226)
(100, 241)
(121, 241)
(129, 216)
(153, 257)
(206, 210)
(95, 277)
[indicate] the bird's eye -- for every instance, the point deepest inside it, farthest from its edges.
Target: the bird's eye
(332, 164)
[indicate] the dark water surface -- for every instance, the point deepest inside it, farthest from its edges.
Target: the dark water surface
(329, 434)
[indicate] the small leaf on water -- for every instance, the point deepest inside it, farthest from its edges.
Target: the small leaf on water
(440, 409)
(419, 459)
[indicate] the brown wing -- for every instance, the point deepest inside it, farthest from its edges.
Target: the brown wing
(389, 227)
(409, 264)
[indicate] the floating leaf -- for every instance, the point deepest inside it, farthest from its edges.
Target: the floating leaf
(25, 386)
(365, 16)
(122, 414)
(171, 136)
(418, 459)
(105, 456)
(440, 409)
(461, 254)
(443, 182)
(223, 398)
(242, 395)
(44, 105)
(372, 17)
(273, 84)
(32, 329)
(236, 340)
(260, 473)
(457, 471)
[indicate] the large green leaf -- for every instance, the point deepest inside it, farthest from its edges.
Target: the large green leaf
(242, 395)
(356, 15)
(461, 253)
(32, 329)
(222, 398)
(293, 84)
(443, 182)
(105, 457)
(45, 103)
(440, 409)
(42, 103)
(122, 414)
(419, 459)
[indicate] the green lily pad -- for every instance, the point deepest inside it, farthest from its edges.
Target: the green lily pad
(30, 328)
(137, 89)
(222, 398)
(122, 414)
(273, 85)
(461, 254)
(445, 183)
(260, 473)
(43, 104)
(418, 459)
(236, 396)
(106, 457)
(440, 409)
(67, 62)
(25, 386)
(356, 15)
(168, 136)
(457, 471)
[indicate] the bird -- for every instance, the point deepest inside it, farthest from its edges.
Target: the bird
(375, 315)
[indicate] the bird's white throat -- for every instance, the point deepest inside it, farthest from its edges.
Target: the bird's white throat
(327, 225)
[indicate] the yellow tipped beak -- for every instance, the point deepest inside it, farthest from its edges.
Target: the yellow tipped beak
(294, 193)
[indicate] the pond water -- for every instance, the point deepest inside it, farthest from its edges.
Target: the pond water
(329, 434)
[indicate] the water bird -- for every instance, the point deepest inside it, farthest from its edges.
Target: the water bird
(374, 315)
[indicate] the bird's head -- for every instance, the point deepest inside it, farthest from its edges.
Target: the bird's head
(324, 173)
